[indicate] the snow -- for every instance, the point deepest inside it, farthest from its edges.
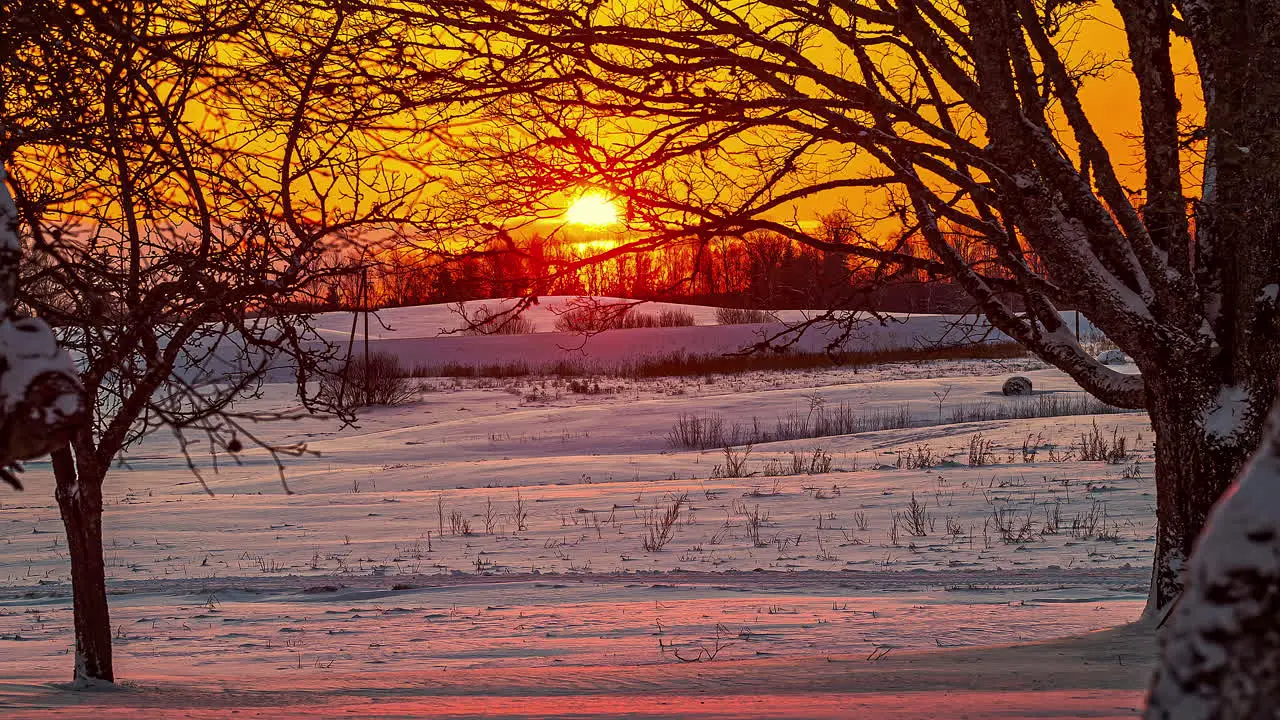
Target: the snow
(422, 335)
(1102, 377)
(1223, 417)
(1269, 293)
(1206, 331)
(1094, 676)
(8, 218)
(31, 351)
(1219, 654)
(355, 598)
(1113, 357)
(37, 379)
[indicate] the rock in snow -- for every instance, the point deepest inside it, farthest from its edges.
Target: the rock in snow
(1017, 385)
(1113, 357)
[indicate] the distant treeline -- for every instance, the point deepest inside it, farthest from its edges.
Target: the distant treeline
(762, 270)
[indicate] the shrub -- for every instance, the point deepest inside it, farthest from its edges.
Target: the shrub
(1095, 446)
(675, 317)
(516, 325)
(682, 364)
(592, 318)
(485, 322)
(459, 524)
(587, 387)
(817, 463)
(743, 316)
(357, 384)
(699, 432)
(632, 319)
(916, 518)
(1038, 406)
(982, 451)
(920, 457)
(660, 523)
(598, 318)
(692, 431)
(755, 519)
(735, 464)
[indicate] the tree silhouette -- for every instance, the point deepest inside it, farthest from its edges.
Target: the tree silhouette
(189, 174)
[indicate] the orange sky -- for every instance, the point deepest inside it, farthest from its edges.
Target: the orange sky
(1111, 100)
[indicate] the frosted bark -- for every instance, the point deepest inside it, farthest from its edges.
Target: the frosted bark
(1226, 415)
(1221, 652)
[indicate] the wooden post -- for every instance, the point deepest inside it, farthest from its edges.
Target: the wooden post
(364, 305)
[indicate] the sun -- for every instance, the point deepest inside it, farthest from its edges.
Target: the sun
(593, 210)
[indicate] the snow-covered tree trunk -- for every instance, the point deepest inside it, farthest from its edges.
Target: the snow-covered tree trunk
(1210, 389)
(1220, 654)
(1203, 434)
(41, 401)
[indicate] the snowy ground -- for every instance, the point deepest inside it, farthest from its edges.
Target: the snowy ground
(430, 335)
(481, 551)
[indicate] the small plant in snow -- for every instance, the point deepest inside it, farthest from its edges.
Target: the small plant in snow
(941, 397)
(520, 513)
(458, 524)
(916, 518)
(490, 516)
(860, 521)
(735, 464)
(1031, 447)
(1094, 445)
(659, 523)
(755, 519)
(920, 457)
(981, 451)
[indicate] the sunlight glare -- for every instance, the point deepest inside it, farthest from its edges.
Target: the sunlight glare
(592, 210)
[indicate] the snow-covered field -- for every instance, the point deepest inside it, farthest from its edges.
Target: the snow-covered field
(430, 335)
(488, 550)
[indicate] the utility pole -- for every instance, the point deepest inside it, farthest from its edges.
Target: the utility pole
(364, 305)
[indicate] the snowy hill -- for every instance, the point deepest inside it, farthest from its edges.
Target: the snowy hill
(427, 335)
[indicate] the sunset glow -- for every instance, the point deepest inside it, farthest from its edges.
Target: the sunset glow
(703, 299)
(592, 210)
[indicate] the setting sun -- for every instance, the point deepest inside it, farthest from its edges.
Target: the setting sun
(826, 247)
(592, 210)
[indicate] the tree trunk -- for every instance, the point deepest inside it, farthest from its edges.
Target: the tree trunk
(79, 493)
(1196, 460)
(1220, 653)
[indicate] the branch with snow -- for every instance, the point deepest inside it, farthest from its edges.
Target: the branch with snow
(1220, 656)
(41, 399)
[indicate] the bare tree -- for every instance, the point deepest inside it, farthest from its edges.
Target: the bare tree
(957, 136)
(188, 175)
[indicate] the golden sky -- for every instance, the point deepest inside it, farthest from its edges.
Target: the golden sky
(1110, 98)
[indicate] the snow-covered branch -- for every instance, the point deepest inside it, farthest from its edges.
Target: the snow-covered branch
(40, 395)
